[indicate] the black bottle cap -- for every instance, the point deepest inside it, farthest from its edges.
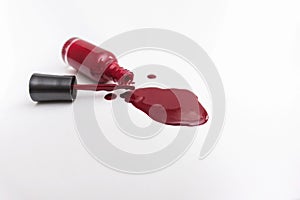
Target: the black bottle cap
(45, 87)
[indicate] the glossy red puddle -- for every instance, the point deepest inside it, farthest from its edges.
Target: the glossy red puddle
(168, 106)
(110, 96)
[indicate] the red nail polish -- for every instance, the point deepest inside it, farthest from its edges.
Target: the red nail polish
(94, 62)
(168, 106)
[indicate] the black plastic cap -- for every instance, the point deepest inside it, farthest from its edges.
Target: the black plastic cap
(46, 88)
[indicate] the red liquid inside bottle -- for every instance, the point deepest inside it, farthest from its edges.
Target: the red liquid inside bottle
(94, 62)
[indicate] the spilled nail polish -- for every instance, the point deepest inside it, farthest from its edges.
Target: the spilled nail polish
(110, 96)
(151, 76)
(168, 106)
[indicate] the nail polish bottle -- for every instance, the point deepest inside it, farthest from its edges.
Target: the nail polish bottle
(94, 62)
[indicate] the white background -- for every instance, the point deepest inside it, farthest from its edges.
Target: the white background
(255, 46)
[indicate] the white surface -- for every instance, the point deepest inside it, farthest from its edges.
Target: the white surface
(256, 47)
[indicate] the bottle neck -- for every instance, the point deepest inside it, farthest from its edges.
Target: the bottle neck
(119, 74)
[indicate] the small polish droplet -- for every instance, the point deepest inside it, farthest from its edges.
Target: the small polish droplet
(110, 96)
(151, 76)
